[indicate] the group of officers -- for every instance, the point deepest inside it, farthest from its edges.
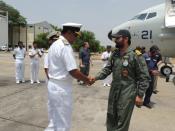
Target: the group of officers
(19, 55)
(131, 71)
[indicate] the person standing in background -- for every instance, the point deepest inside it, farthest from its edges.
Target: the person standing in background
(105, 57)
(52, 37)
(19, 55)
(34, 55)
(158, 58)
(151, 61)
(84, 60)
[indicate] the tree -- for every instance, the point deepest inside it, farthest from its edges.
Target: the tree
(15, 18)
(41, 40)
(56, 28)
(87, 36)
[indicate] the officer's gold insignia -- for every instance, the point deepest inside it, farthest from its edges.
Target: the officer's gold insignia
(138, 52)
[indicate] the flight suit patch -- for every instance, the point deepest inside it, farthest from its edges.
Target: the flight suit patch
(125, 65)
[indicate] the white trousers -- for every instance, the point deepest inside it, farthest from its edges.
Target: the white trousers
(19, 63)
(60, 105)
(34, 70)
(108, 80)
(50, 126)
(155, 83)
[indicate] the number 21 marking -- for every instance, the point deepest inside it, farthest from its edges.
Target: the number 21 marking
(146, 34)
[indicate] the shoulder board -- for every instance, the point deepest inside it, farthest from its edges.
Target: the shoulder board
(137, 52)
(65, 42)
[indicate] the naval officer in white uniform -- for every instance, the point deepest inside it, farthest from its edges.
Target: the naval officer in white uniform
(34, 54)
(19, 55)
(62, 68)
(52, 37)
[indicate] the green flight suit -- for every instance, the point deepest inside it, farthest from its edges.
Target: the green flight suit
(130, 78)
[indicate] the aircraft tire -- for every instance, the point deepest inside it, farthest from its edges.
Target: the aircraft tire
(174, 80)
(166, 70)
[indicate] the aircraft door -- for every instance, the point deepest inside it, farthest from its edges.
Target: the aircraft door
(170, 13)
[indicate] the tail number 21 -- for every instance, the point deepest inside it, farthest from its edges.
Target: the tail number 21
(146, 34)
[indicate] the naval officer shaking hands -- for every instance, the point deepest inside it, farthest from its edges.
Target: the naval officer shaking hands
(62, 69)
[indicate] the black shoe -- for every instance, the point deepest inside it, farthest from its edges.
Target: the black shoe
(155, 92)
(138, 106)
(147, 105)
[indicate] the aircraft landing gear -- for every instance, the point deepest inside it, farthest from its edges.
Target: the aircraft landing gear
(166, 70)
(174, 80)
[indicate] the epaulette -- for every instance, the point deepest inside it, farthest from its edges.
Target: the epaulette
(65, 42)
(138, 52)
(46, 51)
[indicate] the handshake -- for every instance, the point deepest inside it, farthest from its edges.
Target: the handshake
(90, 81)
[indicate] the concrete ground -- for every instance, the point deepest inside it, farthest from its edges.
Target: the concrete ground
(23, 107)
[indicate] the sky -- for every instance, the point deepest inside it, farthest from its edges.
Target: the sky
(98, 16)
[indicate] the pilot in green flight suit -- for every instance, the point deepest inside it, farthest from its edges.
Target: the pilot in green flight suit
(130, 81)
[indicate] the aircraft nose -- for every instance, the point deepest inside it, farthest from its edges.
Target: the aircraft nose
(110, 35)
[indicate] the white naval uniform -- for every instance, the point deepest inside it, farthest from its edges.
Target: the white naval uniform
(60, 61)
(50, 126)
(46, 60)
(105, 55)
(34, 64)
(19, 63)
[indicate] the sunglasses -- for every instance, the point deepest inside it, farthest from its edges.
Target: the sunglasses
(75, 34)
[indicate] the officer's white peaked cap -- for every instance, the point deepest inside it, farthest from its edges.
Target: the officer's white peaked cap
(76, 25)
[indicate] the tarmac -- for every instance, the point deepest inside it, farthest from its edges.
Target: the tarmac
(23, 107)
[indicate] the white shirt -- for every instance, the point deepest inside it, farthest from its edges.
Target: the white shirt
(19, 53)
(61, 60)
(35, 52)
(105, 55)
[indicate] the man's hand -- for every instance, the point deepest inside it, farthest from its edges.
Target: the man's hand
(155, 72)
(78, 75)
(139, 101)
(81, 65)
(90, 81)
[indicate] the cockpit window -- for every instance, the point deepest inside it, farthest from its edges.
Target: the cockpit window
(142, 16)
(151, 15)
(135, 17)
